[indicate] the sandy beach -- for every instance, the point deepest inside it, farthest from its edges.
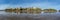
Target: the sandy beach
(42, 16)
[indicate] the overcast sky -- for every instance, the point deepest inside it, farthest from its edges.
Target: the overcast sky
(55, 4)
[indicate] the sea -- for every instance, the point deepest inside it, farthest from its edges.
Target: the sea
(27, 16)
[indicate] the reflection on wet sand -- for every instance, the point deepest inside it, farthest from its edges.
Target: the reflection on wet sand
(25, 16)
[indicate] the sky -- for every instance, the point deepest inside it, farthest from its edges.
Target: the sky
(43, 4)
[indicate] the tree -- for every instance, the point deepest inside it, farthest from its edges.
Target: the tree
(36, 10)
(50, 10)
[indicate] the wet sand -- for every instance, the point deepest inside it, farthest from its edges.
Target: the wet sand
(42, 16)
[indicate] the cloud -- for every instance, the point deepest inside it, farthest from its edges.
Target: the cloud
(4, 6)
(29, 3)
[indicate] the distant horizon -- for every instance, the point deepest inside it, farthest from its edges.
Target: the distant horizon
(29, 7)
